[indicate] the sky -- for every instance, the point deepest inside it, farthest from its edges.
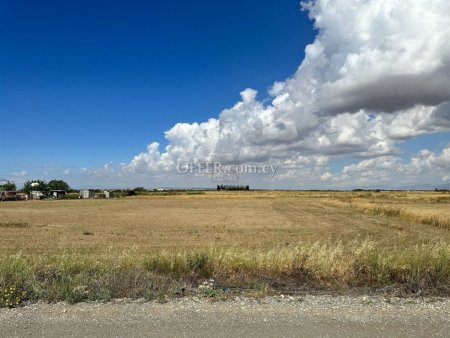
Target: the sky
(335, 94)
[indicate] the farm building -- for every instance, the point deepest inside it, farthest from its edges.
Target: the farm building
(108, 194)
(8, 196)
(58, 194)
(87, 193)
(22, 196)
(37, 195)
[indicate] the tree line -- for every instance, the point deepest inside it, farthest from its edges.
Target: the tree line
(43, 186)
(230, 187)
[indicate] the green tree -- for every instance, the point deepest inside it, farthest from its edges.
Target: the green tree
(27, 188)
(58, 185)
(8, 186)
(139, 189)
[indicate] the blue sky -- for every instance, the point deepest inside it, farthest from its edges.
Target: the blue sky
(87, 83)
(97, 81)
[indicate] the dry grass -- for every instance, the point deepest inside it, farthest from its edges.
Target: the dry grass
(423, 208)
(145, 246)
(73, 276)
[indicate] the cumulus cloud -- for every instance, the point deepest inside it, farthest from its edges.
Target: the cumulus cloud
(377, 73)
(424, 167)
(106, 171)
(380, 55)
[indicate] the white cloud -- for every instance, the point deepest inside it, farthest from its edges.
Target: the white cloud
(326, 176)
(424, 167)
(378, 55)
(427, 162)
(106, 171)
(378, 72)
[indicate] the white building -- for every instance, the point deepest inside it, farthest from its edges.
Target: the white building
(87, 193)
(37, 195)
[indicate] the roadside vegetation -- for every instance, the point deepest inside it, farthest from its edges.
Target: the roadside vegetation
(363, 267)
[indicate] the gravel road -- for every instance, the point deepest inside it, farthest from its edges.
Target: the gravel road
(281, 316)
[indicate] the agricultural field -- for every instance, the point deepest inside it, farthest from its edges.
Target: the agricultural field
(167, 244)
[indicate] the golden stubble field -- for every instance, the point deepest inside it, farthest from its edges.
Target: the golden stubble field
(220, 219)
(167, 244)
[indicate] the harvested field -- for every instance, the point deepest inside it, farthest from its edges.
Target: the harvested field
(147, 245)
(254, 219)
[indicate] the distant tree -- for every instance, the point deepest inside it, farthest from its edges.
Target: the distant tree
(8, 186)
(129, 193)
(41, 187)
(231, 187)
(139, 189)
(58, 185)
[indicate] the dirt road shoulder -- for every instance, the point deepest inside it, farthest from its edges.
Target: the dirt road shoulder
(281, 316)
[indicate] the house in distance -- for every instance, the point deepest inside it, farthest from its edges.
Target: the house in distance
(87, 193)
(58, 194)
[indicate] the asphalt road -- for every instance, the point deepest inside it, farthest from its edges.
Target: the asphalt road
(306, 316)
